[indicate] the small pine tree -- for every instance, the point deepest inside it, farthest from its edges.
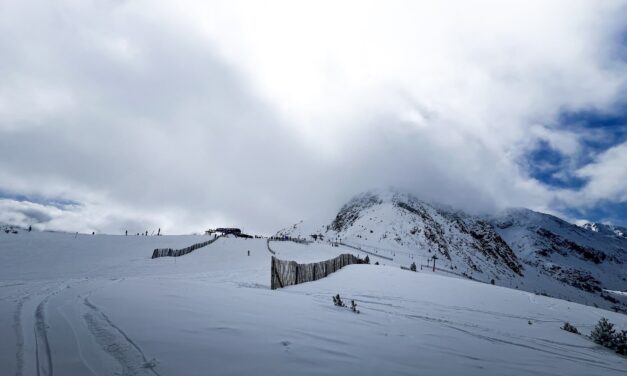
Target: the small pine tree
(367, 260)
(412, 267)
(570, 328)
(620, 342)
(338, 301)
(603, 333)
(354, 307)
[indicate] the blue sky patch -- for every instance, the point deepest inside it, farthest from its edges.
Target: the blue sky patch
(550, 167)
(598, 131)
(612, 212)
(56, 202)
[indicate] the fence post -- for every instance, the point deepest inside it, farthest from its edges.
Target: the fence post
(272, 272)
(296, 277)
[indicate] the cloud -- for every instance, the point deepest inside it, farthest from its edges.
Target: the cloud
(607, 176)
(196, 114)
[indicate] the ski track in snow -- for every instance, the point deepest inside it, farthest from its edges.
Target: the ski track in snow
(42, 345)
(43, 359)
(19, 346)
(57, 325)
(117, 343)
(554, 348)
(249, 285)
(558, 349)
(12, 285)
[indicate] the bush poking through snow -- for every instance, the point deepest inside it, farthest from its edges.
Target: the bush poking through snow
(570, 328)
(338, 301)
(603, 333)
(412, 267)
(367, 260)
(354, 307)
(620, 342)
(376, 263)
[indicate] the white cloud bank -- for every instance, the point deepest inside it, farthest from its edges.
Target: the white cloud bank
(190, 114)
(607, 176)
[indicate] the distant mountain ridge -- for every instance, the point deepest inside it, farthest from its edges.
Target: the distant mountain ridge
(606, 229)
(518, 248)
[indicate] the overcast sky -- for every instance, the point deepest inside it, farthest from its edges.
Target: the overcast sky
(187, 115)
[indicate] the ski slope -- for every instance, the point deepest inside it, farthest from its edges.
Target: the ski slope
(518, 248)
(98, 305)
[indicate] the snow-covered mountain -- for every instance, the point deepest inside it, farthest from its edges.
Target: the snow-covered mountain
(606, 229)
(519, 248)
(586, 259)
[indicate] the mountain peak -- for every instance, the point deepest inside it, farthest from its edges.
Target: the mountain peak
(606, 229)
(518, 248)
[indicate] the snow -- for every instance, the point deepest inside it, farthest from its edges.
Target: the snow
(98, 305)
(553, 256)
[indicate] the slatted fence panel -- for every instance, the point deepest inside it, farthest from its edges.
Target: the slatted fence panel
(368, 252)
(286, 273)
(169, 252)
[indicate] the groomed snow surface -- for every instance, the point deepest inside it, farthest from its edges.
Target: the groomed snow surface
(98, 305)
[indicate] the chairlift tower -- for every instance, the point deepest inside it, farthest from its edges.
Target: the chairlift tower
(434, 257)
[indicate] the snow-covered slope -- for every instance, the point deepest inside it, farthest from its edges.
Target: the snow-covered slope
(519, 248)
(588, 260)
(606, 229)
(98, 305)
(404, 224)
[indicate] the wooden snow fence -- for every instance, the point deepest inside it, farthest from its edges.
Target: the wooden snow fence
(270, 249)
(286, 273)
(169, 252)
(364, 251)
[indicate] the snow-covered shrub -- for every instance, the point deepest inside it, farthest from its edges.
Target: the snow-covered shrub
(603, 333)
(354, 307)
(412, 267)
(570, 328)
(620, 342)
(338, 301)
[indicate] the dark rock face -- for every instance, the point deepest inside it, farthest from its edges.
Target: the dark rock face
(351, 211)
(564, 246)
(576, 278)
(433, 230)
(493, 246)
